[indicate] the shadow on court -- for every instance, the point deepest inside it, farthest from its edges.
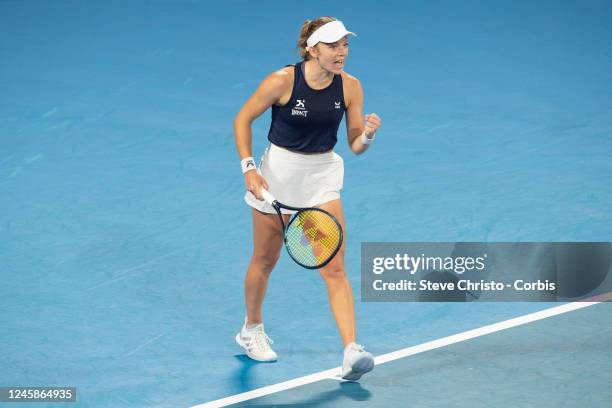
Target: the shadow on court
(243, 376)
(344, 392)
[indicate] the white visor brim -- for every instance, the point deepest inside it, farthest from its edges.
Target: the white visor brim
(328, 33)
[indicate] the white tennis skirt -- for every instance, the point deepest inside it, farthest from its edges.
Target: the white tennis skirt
(298, 179)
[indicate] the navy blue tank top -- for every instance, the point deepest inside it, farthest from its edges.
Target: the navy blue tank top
(309, 121)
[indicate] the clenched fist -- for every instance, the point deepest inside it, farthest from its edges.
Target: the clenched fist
(372, 123)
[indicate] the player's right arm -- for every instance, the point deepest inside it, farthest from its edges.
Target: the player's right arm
(270, 91)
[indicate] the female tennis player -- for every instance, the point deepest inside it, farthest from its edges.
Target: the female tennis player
(300, 168)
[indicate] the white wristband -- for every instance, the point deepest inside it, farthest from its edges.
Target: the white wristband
(247, 164)
(366, 140)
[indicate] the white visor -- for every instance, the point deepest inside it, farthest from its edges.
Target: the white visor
(328, 33)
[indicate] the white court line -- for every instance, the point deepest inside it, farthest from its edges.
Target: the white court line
(410, 351)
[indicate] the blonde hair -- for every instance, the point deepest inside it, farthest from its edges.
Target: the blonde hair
(309, 27)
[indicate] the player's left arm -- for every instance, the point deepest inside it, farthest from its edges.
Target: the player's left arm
(356, 123)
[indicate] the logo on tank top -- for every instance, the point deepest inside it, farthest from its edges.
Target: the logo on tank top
(300, 108)
(337, 105)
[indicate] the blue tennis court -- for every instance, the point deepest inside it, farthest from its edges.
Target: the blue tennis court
(125, 237)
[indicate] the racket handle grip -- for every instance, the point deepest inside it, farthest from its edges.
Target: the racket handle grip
(268, 198)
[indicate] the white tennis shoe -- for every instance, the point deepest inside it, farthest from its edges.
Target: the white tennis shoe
(256, 343)
(356, 362)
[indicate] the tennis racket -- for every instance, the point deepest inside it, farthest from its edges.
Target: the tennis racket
(312, 236)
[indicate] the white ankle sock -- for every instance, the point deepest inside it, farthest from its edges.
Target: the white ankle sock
(253, 326)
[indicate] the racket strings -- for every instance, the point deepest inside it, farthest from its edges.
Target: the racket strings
(313, 237)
